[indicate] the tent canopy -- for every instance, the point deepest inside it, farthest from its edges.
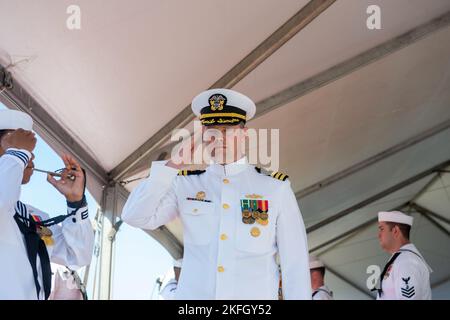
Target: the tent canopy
(364, 115)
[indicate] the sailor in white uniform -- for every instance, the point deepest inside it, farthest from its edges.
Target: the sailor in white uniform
(29, 240)
(235, 218)
(406, 275)
(317, 270)
(170, 287)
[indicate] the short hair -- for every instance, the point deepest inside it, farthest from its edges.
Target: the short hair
(2, 133)
(405, 229)
(321, 270)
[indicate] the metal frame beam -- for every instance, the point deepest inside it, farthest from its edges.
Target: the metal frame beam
(377, 196)
(428, 212)
(342, 69)
(354, 231)
(150, 149)
(436, 224)
(428, 215)
(283, 34)
(16, 97)
(374, 159)
(343, 235)
(106, 256)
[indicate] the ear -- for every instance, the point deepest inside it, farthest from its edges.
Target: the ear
(396, 230)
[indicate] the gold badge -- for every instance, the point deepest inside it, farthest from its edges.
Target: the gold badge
(255, 232)
(249, 220)
(264, 216)
(48, 240)
(200, 195)
(217, 102)
(246, 214)
(44, 232)
(263, 222)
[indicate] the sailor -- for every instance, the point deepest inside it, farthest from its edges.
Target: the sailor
(406, 275)
(317, 270)
(29, 240)
(235, 217)
(169, 289)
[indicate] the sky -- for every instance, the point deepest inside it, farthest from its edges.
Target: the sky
(138, 259)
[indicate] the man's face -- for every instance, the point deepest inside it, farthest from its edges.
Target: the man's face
(227, 142)
(385, 236)
(28, 172)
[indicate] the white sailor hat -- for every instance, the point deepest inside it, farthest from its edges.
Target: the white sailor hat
(177, 263)
(13, 119)
(223, 107)
(315, 263)
(395, 216)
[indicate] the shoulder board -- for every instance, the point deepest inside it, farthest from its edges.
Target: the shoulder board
(277, 175)
(190, 172)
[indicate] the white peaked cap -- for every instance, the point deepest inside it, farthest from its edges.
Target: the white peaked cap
(315, 263)
(13, 120)
(231, 99)
(395, 216)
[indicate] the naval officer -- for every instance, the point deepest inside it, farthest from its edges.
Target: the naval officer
(235, 217)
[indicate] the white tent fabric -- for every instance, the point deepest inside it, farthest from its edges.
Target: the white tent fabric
(348, 99)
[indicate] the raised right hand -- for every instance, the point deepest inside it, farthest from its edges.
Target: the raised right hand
(188, 145)
(19, 139)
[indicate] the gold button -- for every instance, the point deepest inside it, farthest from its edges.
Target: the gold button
(225, 206)
(226, 181)
(195, 210)
(255, 232)
(223, 236)
(220, 269)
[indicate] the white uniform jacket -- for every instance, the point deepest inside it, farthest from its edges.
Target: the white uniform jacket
(225, 258)
(72, 241)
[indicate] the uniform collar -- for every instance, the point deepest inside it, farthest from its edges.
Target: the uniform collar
(324, 288)
(413, 248)
(229, 169)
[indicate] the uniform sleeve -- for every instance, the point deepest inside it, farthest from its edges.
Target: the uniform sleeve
(153, 203)
(292, 247)
(12, 164)
(74, 238)
(408, 280)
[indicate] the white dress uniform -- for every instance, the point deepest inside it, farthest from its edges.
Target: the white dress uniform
(225, 258)
(235, 219)
(406, 276)
(322, 293)
(71, 243)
